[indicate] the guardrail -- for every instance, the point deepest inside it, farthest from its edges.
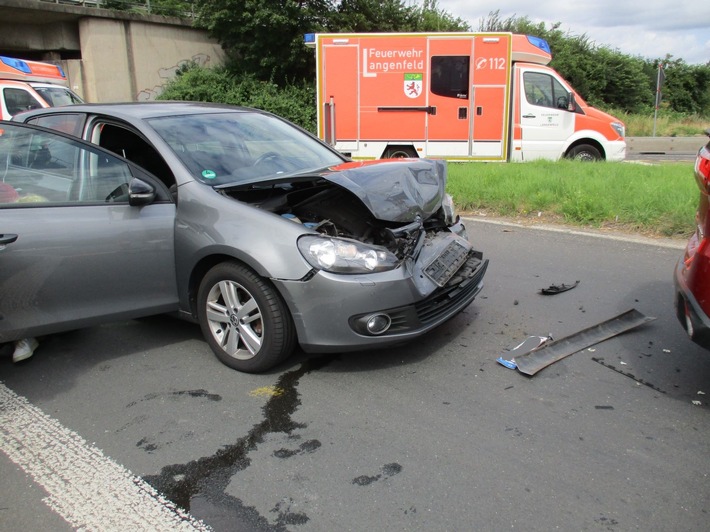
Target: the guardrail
(84, 3)
(135, 6)
(664, 145)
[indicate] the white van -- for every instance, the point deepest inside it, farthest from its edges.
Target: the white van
(26, 85)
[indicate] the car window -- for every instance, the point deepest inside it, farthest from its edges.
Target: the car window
(222, 148)
(129, 145)
(39, 167)
(69, 123)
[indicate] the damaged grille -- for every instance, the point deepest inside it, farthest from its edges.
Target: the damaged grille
(444, 302)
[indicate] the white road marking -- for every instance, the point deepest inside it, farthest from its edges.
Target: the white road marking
(88, 489)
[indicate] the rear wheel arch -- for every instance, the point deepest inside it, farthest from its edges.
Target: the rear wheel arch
(400, 152)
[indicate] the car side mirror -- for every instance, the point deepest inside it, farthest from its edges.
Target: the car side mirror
(140, 192)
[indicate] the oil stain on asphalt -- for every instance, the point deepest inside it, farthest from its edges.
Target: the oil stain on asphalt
(202, 483)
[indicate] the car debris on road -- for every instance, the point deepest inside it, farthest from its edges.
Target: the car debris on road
(546, 353)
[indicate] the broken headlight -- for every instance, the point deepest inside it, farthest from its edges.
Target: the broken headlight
(340, 255)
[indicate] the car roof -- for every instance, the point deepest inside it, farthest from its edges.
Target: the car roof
(144, 110)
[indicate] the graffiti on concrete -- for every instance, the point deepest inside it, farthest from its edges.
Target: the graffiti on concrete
(168, 73)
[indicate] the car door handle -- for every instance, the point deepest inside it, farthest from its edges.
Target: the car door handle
(528, 116)
(7, 239)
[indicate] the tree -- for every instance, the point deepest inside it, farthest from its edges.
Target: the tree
(430, 17)
(371, 16)
(687, 87)
(265, 37)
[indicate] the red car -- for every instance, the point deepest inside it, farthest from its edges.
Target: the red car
(692, 275)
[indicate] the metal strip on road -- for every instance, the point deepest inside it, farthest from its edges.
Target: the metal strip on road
(550, 353)
(88, 489)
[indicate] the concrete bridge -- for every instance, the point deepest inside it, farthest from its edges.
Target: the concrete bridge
(108, 55)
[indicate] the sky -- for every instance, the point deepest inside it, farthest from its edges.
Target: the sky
(649, 29)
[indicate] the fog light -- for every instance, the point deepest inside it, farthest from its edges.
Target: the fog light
(378, 323)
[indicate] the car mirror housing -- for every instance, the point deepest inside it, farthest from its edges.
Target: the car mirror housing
(140, 192)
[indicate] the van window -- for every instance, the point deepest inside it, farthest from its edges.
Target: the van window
(18, 100)
(544, 90)
(449, 76)
(57, 96)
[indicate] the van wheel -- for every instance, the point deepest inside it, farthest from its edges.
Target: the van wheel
(584, 152)
(400, 152)
(243, 319)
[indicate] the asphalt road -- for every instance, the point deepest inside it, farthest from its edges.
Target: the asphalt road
(433, 435)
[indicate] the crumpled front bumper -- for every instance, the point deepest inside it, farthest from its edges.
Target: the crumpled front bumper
(328, 309)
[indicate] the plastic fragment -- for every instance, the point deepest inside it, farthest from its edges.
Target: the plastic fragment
(558, 288)
(530, 344)
(697, 403)
(700, 392)
(510, 364)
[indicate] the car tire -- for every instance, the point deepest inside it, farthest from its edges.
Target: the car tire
(243, 319)
(584, 152)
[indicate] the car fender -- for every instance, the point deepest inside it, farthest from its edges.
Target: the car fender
(210, 229)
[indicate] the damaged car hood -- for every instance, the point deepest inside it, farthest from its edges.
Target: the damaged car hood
(394, 190)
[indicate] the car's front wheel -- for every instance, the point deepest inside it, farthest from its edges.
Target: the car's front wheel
(244, 319)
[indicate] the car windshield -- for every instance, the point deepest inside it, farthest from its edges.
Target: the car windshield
(56, 96)
(238, 147)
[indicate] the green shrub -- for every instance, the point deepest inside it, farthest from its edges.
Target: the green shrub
(292, 102)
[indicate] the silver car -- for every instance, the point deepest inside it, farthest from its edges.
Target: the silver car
(230, 217)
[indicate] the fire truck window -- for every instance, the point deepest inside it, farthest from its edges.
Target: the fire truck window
(449, 76)
(544, 90)
(18, 100)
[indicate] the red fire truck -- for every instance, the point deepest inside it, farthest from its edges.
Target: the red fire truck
(459, 96)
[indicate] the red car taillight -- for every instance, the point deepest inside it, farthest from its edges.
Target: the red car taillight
(702, 169)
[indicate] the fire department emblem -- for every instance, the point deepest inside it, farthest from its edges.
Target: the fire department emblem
(413, 85)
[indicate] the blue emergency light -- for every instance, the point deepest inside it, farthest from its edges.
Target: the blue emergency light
(539, 43)
(17, 64)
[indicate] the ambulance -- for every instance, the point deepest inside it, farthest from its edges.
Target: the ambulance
(457, 96)
(28, 85)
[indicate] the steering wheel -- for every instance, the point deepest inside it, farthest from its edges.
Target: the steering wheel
(267, 156)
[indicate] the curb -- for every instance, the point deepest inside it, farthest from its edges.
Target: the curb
(664, 145)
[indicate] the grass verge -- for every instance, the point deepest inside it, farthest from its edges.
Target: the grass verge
(658, 199)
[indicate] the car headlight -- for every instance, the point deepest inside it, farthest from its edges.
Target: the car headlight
(619, 128)
(449, 209)
(341, 255)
